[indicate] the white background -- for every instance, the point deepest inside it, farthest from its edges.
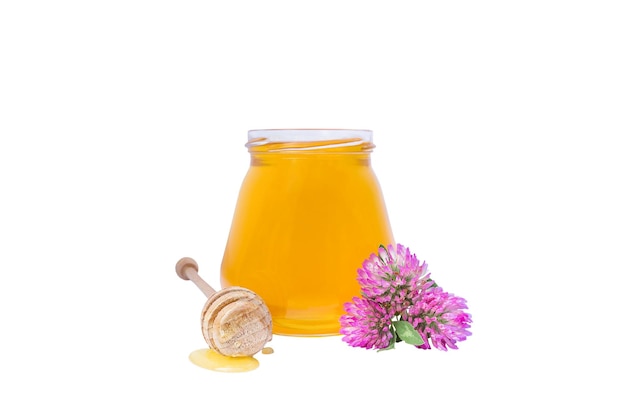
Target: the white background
(498, 128)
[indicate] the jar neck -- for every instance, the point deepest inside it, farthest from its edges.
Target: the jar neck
(310, 141)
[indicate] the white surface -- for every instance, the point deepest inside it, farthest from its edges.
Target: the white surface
(497, 125)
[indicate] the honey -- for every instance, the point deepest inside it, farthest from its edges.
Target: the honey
(310, 210)
(210, 359)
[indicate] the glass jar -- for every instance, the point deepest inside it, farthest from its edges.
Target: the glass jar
(310, 211)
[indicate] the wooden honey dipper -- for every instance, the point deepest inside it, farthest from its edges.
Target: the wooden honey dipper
(235, 321)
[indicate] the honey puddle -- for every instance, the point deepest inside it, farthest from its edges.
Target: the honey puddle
(210, 359)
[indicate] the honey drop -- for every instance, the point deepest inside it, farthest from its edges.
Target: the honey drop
(210, 359)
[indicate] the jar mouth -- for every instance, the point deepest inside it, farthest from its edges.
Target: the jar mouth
(309, 138)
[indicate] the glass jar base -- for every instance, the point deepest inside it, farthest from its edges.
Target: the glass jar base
(287, 327)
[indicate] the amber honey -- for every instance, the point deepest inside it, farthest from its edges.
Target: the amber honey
(210, 359)
(310, 210)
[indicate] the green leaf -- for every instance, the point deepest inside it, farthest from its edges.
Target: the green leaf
(407, 333)
(392, 342)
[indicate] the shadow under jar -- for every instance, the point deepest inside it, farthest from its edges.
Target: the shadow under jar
(310, 211)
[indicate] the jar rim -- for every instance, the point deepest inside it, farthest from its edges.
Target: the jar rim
(307, 135)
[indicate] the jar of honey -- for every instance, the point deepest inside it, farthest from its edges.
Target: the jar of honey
(310, 211)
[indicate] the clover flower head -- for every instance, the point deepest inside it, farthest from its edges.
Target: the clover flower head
(391, 275)
(439, 317)
(366, 324)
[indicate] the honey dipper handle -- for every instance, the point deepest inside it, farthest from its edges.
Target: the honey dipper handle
(187, 269)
